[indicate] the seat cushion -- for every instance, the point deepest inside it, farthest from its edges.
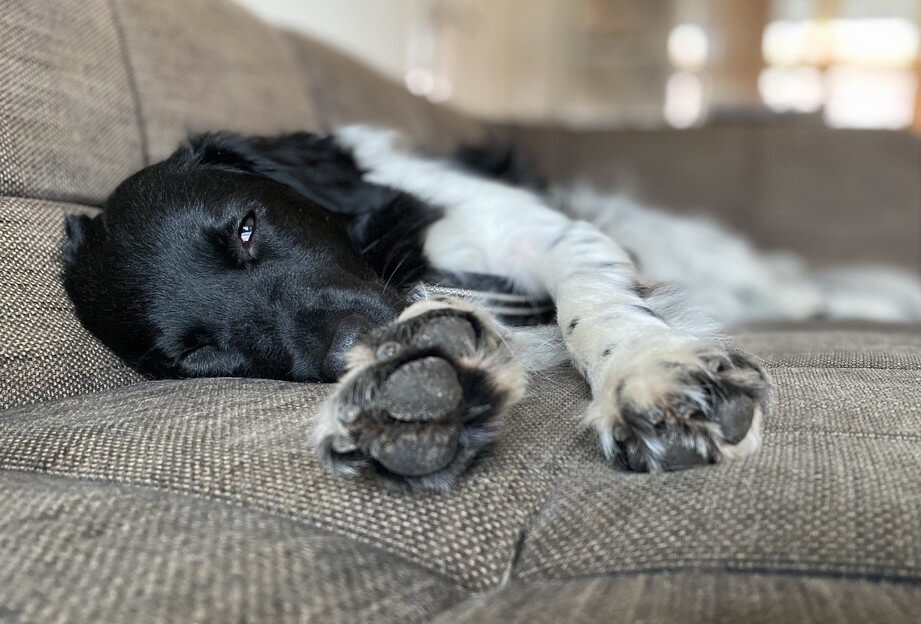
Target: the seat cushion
(832, 494)
(85, 551)
(842, 344)
(692, 598)
(247, 442)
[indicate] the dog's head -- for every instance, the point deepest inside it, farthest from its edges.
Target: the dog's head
(232, 257)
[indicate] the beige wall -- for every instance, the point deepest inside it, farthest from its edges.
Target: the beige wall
(375, 31)
(579, 61)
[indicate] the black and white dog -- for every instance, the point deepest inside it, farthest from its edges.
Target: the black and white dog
(312, 258)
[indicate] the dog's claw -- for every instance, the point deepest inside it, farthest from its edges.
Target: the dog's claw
(735, 416)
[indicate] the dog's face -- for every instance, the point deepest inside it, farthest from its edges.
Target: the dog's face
(206, 265)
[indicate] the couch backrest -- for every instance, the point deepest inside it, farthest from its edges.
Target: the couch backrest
(94, 89)
(68, 120)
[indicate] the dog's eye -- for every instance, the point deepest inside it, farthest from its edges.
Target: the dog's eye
(247, 228)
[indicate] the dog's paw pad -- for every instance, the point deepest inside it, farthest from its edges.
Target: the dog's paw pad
(422, 390)
(416, 450)
(423, 401)
(664, 447)
(676, 456)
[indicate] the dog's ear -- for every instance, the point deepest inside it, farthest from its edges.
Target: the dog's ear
(77, 228)
(313, 165)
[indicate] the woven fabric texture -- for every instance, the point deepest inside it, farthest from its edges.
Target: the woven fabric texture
(209, 65)
(833, 491)
(834, 345)
(247, 442)
(44, 351)
(693, 598)
(91, 552)
(68, 122)
(835, 480)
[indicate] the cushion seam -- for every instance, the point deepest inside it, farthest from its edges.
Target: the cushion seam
(913, 580)
(132, 83)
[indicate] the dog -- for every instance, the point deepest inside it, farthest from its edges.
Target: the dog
(340, 257)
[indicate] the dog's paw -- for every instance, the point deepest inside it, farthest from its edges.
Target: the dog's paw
(422, 398)
(670, 408)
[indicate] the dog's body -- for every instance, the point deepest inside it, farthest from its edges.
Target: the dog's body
(290, 258)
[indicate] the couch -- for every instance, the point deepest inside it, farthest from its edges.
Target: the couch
(129, 500)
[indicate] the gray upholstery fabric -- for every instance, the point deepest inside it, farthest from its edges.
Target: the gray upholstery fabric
(68, 123)
(247, 442)
(693, 598)
(834, 345)
(832, 196)
(83, 551)
(832, 491)
(44, 351)
(832, 494)
(209, 65)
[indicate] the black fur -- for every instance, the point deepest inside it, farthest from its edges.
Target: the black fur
(500, 162)
(163, 278)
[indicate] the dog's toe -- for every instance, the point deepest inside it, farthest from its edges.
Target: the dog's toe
(677, 456)
(734, 417)
(663, 417)
(454, 335)
(422, 390)
(416, 450)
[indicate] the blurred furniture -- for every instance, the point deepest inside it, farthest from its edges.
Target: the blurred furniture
(126, 500)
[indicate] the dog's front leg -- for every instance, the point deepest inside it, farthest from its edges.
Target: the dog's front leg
(422, 397)
(664, 396)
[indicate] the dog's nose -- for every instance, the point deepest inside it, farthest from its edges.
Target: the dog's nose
(347, 333)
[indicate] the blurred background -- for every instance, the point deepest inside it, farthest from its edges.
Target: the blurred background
(794, 122)
(636, 63)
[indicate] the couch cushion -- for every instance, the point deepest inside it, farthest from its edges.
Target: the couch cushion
(840, 344)
(781, 185)
(44, 351)
(98, 552)
(209, 65)
(833, 492)
(68, 122)
(693, 598)
(247, 442)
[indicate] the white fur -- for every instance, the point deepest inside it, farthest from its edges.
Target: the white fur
(729, 280)
(565, 247)
(493, 228)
